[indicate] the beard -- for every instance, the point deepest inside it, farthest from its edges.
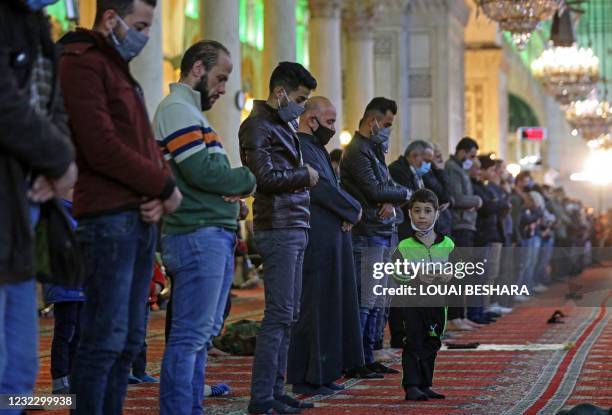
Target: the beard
(202, 88)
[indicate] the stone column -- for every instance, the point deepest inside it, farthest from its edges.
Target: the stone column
(220, 23)
(279, 35)
(436, 70)
(358, 22)
(148, 67)
(391, 49)
(326, 55)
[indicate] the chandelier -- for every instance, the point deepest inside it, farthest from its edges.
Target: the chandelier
(519, 17)
(603, 142)
(568, 73)
(591, 117)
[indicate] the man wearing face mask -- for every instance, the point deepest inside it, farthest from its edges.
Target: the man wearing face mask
(36, 165)
(326, 339)
(270, 148)
(124, 188)
(408, 170)
(365, 176)
(203, 228)
(464, 212)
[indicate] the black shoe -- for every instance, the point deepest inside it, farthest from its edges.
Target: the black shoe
(334, 386)
(431, 394)
(362, 373)
(378, 367)
(414, 394)
(272, 407)
(311, 390)
(294, 403)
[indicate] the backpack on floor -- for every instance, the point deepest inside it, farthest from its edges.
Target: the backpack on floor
(239, 338)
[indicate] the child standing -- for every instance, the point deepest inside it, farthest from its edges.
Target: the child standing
(423, 325)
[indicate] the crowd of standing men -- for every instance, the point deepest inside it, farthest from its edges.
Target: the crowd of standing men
(318, 227)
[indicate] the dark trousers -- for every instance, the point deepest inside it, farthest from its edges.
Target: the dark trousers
(464, 239)
(139, 365)
(65, 337)
(282, 252)
(424, 326)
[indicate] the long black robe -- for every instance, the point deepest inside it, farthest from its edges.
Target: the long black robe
(327, 338)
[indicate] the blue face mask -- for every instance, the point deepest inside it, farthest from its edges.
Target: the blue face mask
(424, 169)
(132, 44)
(382, 137)
(36, 5)
(291, 111)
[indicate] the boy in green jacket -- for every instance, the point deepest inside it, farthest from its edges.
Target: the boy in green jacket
(423, 325)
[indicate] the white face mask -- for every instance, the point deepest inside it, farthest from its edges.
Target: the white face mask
(423, 232)
(467, 164)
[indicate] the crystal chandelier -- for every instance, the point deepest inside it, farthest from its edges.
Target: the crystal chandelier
(519, 17)
(603, 142)
(567, 73)
(591, 117)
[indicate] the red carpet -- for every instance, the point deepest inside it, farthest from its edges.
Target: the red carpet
(477, 381)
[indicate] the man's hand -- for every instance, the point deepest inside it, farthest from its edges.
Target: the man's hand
(314, 175)
(62, 186)
(41, 191)
(244, 210)
(346, 226)
(386, 211)
(173, 202)
(152, 211)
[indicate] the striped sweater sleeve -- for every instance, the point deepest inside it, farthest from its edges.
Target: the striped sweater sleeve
(192, 146)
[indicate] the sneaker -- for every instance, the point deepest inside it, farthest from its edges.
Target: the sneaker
(133, 380)
(540, 288)
(334, 386)
(378, 367)
(214, 391)
(458, 325)
(498, 309)
(521, 298)
(146, 378)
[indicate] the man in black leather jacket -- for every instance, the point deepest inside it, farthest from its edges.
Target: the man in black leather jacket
(35, 166)
(270, 148)
(365, 176)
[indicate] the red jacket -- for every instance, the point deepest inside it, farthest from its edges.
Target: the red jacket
(118, 159)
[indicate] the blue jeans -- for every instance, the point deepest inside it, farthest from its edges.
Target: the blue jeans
(119, 251)
(282, 252)
(367, 250)
(19, 334)
(202, 267)
(542, 276)
(529, 260)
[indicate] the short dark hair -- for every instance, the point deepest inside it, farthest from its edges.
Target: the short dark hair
(467, 144)
(424, 196)
(522, 175)
(417, 145)
(486, 161)
(205, 51)
(336, 155)
(122, 7)
(380, 105)
(291, 75)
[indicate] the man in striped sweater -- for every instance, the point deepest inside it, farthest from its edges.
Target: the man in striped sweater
(198, 239)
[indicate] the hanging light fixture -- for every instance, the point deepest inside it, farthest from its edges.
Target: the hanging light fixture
(566, 71)
(519, 17)
(592, 117)
(603, 142)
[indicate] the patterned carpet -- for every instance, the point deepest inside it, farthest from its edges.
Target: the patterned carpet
(528, 367)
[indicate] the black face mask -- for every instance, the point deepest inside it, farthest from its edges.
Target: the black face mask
(202, 88)
(323, 134)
